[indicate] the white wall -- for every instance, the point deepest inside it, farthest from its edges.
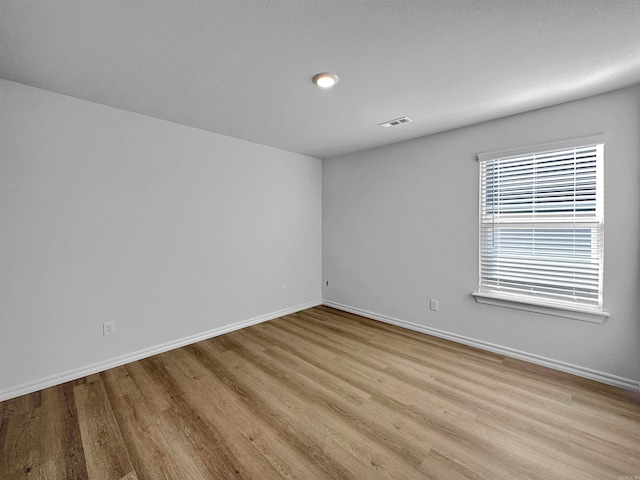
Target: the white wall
(170, 231)
(400, 226)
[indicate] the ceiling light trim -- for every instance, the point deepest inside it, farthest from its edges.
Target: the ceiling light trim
(325, 79)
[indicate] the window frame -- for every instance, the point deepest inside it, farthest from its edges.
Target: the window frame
(534, 304)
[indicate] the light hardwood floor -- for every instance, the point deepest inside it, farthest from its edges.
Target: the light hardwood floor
(323, 394)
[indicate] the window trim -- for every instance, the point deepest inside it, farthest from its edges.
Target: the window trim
(532, 304)
(586, 315)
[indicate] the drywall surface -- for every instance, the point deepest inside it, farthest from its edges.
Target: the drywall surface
(167, 230)
(400, 227)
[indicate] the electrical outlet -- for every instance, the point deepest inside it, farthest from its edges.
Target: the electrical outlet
(108, 328)
(284, 289)
(433, 305)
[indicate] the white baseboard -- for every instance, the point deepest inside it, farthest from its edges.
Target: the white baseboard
(577, 370)
(69, 375)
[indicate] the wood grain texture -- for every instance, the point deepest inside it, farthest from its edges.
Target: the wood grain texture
(323, 394)
(105, 452)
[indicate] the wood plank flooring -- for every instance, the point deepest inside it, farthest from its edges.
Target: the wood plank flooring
(323, 394)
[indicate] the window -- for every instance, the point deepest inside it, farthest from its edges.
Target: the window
(541, 228)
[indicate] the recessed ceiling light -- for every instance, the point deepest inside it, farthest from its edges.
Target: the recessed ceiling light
(325, 79)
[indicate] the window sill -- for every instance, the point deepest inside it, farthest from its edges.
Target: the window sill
(585, 315)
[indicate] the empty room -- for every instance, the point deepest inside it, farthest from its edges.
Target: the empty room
(320, 239)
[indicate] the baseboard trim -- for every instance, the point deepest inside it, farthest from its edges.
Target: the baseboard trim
(577, 370)
(69, 375)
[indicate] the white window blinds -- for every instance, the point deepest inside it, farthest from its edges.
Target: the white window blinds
(541, 226)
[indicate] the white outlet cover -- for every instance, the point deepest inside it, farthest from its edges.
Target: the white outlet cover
(108, 328)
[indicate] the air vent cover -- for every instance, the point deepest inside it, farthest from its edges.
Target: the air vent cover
(394, 122)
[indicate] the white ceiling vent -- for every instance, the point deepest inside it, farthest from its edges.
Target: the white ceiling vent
(394, 122)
